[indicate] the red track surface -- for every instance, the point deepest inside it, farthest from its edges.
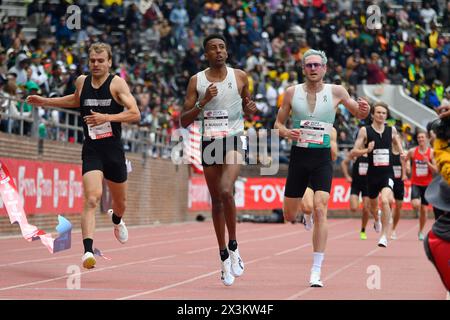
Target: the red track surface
(181, 261)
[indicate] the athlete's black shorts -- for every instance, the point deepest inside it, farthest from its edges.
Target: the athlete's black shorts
(399, 189)
(376, 183)
(359, 186)
(214, 150)
(108, 157)
(418, 192)
(308, 165)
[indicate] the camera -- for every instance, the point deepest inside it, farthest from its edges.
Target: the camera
(441, 128)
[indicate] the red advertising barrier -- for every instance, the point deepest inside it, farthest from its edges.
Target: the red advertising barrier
(267, 194)
(46, 187)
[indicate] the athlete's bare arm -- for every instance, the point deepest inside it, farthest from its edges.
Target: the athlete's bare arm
(344, 167)
(358, 149)
(283, 115)
(190, 111)
(408, 158)
(432, 164)
(69, 101)
(398, 143)
(248, 105)
(333, 144)
(359, 109)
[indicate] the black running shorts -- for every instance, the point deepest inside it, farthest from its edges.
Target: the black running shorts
(399, 189)
(308, 165)
(214, 150)
(359, 186)
(418, 192)
(378, 183)
(106, 157)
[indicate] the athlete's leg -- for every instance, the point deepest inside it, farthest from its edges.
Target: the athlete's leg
(118, 196)
(422, 218)
(229, 175)
(386, 198)
(365, 211)
(320, 233)
(213, 177)
(290, 208)
(397, 210)
(307, 202)
(92, 186)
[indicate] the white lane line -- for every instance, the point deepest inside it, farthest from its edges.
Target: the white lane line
(204, 275)
(332, 275)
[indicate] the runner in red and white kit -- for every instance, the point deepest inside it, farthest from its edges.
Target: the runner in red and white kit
(422, 165)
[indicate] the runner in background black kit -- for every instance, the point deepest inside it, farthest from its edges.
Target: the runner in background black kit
(104, 101)
(359, 186)
(377, 139)
(399, 168)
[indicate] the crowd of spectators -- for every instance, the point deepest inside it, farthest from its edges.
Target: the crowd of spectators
(158, 49)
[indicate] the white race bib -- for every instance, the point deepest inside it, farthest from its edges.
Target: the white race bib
(421, 169)
(215, 123)
(381, 157)
(313, 131)
(101, 131)
(397, 172)
(362, 168)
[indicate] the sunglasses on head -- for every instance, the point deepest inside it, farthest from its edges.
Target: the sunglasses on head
(316, 65)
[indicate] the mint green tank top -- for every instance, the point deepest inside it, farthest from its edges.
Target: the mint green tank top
(315, 127)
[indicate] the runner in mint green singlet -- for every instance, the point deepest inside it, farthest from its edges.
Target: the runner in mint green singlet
(313, 105)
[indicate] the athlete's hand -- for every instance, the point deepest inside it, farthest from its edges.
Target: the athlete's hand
(294, 134)
(349, 179)
(404, 177)
(35, 100)
(403, 156)
(96, 118)
(363, 108)
(370, 146)
(443, 111)
(211, 92)
(249, 106)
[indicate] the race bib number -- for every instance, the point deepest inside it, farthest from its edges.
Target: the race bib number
(362, 168)
(313, 131)
(421, 169)
(381, 157)
(101, 131)
(215, 123)
(397, 172)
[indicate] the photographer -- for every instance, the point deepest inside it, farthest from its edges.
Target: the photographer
(437, 242)
(441, 144)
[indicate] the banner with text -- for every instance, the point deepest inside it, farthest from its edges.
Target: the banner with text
(46, 187)
(267, 194)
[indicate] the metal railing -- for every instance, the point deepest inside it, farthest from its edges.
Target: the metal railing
(62, 124)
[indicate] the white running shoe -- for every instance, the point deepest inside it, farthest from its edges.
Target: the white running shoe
(88, 260)
(120, 230)
(393, 235)
(227, 277)
(383, 242)
(237, 265)
(309, 222)
(377, 226)
(314, 280)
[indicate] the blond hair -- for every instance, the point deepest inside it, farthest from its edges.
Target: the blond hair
(99, 47)
(312, 52)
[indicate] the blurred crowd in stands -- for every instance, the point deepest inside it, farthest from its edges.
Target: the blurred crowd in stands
(158, 49)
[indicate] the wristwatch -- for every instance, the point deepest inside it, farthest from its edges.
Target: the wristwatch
(198, 105)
